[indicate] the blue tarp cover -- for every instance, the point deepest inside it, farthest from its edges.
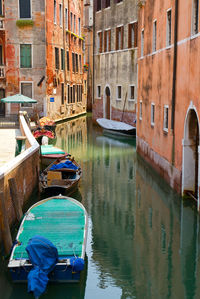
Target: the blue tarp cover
(66, 164)
(43, 256)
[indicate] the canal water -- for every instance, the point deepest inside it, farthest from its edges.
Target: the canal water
(143, 240)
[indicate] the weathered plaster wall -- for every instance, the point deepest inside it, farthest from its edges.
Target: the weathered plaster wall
(57, 36)
(116, 67)
(15, 36)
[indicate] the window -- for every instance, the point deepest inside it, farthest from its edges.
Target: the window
(26, 56)
(1, 8)
(68, 60)
(132, 34)
(131, 93)
(66, 18)
(98, 91)
(80, 63)
(169, 27)
(73, 62)
(74, 24)
(57, 59)
(195, 17)
(27, 90)
(76, 63)
(71, 94)
(62, 59)
(85, 86)
(24, 9)
(98, 5)
(74, 94)
(60, 14)
(166, 115)
(99, 42)
(54, 12)
(1, 55)
(140, 111)
(62, 94)
(154, 36)
(68, 93)
(119, 93)
(152, 114)
(71, 21)
(107, 40)
(119, 37)
(142, 42)
(107, 4)
(79, 26)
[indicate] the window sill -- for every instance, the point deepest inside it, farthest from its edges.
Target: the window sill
(119, 100)
(165, 131)
(131, 100)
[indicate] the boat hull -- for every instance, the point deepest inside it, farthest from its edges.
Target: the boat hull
(130, 133)
(56, 190)
(61, 273)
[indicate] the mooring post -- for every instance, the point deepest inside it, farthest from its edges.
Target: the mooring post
(15, 198)
(5, 228)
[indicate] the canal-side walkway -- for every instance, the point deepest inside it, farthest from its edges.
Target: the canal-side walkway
(7, 145)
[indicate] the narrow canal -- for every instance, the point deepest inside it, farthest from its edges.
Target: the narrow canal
(143, 239)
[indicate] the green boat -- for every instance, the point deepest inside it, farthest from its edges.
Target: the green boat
(64, 222)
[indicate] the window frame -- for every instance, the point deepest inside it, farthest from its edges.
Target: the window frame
(99, 42)
(140, 110)
(117, 93)
(154, 39)
(66, 18)
(30, 58)
(55, 12)
(169, 29)
(195, 16)
(98, 91)
(129, 96)
(60, 15)
(142, 43)
(119, 43)
(166, 128)
(57, 63)
(19, 10)
(132, 34)
(152, 114)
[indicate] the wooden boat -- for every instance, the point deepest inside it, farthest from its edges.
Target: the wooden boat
(61, 177)
(49, 153)
(116, 127)
(64, 222)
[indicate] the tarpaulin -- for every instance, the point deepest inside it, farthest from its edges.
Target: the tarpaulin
(43, 255)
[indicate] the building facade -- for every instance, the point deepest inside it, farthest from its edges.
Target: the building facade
(168, 91)
(42, 56)
(115, 60)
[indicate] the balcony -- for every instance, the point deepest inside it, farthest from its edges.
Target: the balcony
(2, 72)
(2, 23)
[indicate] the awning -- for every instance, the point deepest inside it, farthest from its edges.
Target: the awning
(18, 98)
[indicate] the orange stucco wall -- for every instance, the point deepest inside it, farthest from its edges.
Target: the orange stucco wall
(155, 83)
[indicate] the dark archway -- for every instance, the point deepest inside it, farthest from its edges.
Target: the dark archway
(107, 102)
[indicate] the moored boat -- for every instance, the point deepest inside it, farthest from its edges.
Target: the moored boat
(49, 153)
(61, 220)
(116, 127)
(61, 177)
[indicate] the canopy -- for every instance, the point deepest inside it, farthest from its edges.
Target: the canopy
(18, 98)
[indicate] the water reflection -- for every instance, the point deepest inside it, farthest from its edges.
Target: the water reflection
(143, 241)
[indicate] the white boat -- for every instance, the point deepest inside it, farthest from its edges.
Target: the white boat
(116, 127)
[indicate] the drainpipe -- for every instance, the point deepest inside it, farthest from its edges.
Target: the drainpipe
(174, 78)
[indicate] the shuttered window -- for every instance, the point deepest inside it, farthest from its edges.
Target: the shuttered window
(119, 38)
(1, 10)
(24, 9)
(132, 34)
(62, 59)
(25, 56)
(57, 58)
(67, 60)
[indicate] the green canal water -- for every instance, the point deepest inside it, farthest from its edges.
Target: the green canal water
(143, 240)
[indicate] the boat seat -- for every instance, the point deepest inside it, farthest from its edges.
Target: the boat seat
(53, 175)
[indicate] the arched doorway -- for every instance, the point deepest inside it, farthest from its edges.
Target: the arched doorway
(190, 167)
(107, 102)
